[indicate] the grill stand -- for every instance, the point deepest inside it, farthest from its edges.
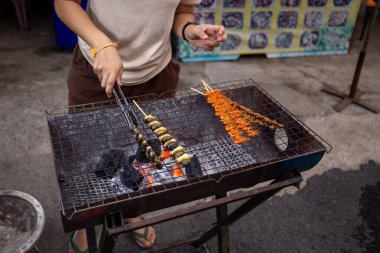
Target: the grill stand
(351, 97)
(113, 225)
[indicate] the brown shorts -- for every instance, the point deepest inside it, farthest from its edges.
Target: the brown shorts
(84, 86)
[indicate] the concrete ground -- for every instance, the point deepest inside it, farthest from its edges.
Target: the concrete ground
(337, 207)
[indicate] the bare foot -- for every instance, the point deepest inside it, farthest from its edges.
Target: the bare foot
(143, 241)
(80, 240)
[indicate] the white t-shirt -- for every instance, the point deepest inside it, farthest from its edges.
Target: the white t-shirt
(142, 30)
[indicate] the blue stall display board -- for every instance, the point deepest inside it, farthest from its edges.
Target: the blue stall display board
(277, 28)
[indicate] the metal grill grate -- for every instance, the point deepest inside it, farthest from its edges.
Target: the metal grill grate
(80, 135)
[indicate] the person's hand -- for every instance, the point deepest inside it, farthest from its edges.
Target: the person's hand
(109, 68)
(205, 36)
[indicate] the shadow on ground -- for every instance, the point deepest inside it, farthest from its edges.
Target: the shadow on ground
(337, 211)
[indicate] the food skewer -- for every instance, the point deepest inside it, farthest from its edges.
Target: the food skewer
(198, 91)
(204, 84)
(208, 88)
(141, 110)
(237, 119)
(169, 143)
(146, 148)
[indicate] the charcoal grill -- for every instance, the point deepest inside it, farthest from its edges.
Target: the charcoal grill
(80, 135)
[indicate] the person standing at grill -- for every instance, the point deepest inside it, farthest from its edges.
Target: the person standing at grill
(128, 42)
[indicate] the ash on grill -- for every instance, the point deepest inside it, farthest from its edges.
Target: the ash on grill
(136, 172)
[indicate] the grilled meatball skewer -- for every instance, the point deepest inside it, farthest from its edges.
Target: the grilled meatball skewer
(148, 149)
(149, 118)
(184, 159)
(164, 138)
(171, 144)
(154, 125)
(167, 140)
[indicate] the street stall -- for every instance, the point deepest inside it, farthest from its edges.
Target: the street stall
(142, 154)
(276, 28)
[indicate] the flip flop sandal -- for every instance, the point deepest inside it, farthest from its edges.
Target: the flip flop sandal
(143, 236)
(74, 246)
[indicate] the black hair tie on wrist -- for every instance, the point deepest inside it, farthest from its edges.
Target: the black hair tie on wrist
(184, 28)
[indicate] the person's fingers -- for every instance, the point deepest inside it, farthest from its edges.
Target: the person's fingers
(110, 83)
(208, 48)
(103, 80)
(221, 30)
(201, 45)
(212, 43)
(213, 29)
(210, 31)
(118, 79)
(96, 67)
(222, 36)
(199, 32)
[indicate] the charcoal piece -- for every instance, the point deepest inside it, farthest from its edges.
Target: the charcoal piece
(193, 169)
(156, 146)
(110, 163)
(129, 176)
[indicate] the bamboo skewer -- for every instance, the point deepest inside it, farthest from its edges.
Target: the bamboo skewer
(139, 108)
(197, 91)
(206, 85)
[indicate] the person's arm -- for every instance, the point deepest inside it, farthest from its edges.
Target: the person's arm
(203, 36)
(107, 65)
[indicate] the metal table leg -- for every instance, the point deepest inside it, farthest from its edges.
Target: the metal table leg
(247, 207)
(107, 242)
(222, 226)
(91, 239)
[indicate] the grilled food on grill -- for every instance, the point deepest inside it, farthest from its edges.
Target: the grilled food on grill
(160, 131)
(150, 154)
(140, 153)
(144, 144)
(139, 137)
(164, 138)
(238, 120)
(257, 118)
(149, 118)
(178, 151)
(154, 125)
(170, 144)
(184, 159)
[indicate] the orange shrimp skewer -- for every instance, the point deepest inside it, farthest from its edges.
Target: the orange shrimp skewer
(238, 119)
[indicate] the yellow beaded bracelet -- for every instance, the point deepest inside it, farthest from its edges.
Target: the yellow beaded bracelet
(94, 51)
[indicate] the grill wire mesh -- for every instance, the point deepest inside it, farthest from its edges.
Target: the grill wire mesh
(80, 135)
